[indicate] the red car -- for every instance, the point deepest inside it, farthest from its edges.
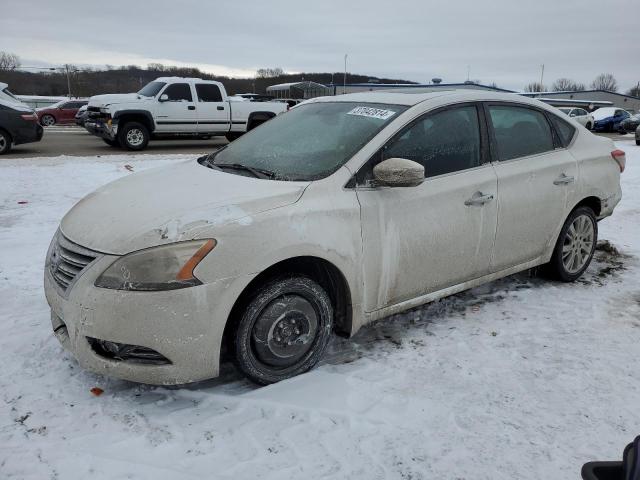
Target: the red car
(63, 112)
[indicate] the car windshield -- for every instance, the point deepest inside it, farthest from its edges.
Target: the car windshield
(309, 142)
(151, 89)
(8, 95)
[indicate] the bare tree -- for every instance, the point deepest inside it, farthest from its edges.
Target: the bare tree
(565, 85)
(580, 86)
(269, 72)
(535, 87)
(9, 61)
(605, 81)
(635, 91)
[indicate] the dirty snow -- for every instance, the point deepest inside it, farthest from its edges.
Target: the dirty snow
(518, 379)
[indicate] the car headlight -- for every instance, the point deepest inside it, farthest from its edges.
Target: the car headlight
(167, 267)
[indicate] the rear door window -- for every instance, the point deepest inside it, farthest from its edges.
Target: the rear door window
(564, 129)
(208, 92)
(519, 131)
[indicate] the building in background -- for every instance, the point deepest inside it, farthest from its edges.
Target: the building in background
(618, 100)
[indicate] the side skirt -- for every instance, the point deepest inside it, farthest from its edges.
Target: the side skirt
(445, 292)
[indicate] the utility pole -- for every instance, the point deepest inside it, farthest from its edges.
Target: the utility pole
(66, 67)
(541, 77)
(344, 83)
(468, 72)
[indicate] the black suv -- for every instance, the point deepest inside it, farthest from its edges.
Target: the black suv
(18, 125)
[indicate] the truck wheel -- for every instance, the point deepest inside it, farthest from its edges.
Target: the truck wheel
(133, 136)
(231, 136)
(284, 329)
(5, 142)
(111, 143)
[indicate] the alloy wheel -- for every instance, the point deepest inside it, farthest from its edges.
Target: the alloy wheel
(48, 121)
(135, 137)
(578, 244)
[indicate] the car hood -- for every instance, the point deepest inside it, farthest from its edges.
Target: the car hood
(181, 202)
(111, 98)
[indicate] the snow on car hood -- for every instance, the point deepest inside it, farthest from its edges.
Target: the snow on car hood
(603, 113)
(170, 204)
(111, 98)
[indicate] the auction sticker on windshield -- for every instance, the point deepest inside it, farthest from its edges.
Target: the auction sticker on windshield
(372, 112)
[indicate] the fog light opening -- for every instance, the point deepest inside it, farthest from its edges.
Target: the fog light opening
(127, 353)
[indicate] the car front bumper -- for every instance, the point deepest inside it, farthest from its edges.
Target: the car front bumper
(102, 129)
(185, 326)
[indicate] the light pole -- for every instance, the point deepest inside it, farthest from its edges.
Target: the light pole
(541, 77)
(344, 82)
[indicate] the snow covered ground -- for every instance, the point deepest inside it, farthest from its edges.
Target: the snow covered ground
(518, 379)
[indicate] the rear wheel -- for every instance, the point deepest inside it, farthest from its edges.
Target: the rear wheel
(5, 142)
(575, 246)
(284, 329)
(111, 143)
(588, 126)
(133, 136)
(47, 120)
(231, 136)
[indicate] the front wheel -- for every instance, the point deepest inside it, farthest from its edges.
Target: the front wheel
(575, 246)
(133, 136)
(588, 126)
(284, 329)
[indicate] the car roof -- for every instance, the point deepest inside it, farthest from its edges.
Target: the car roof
(412, 99)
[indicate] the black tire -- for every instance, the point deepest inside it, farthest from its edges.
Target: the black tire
(231, 136)
(588, 126)
(5, 142)
(569, 246)
(133, 136)
(637, 142)
(48, 120)
(283, 330)
(111, 143)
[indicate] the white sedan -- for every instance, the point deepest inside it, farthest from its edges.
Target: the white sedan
(342, 211)
(580, 115)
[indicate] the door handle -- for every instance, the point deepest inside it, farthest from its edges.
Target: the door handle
(191, 107)
(563, 180)
(478, 199)
(220, 108)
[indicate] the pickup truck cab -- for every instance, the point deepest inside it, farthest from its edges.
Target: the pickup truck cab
(174, 107)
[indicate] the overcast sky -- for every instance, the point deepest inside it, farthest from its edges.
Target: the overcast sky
(502, 41)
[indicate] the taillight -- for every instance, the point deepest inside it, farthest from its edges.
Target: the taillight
(30, 117)
(620, 158)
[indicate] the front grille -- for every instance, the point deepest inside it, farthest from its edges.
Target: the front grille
(67, 260)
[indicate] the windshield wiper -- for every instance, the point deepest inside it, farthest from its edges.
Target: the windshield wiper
(256, 172)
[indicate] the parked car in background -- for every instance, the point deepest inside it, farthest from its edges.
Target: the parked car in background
(18, 124)
(340, 212)
(608, 119)
(81, 115)
(174, 107)
(580, 115)
(630, 124)
(62, 113)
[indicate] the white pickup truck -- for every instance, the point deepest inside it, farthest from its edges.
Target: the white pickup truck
(174, 107)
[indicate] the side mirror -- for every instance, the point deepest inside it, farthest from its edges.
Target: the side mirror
(164, 98)
(398, 172)
(572, 115)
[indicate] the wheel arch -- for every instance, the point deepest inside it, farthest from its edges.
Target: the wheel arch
(319, 269)
(141, 116)
(257, 118)
(593, 202)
